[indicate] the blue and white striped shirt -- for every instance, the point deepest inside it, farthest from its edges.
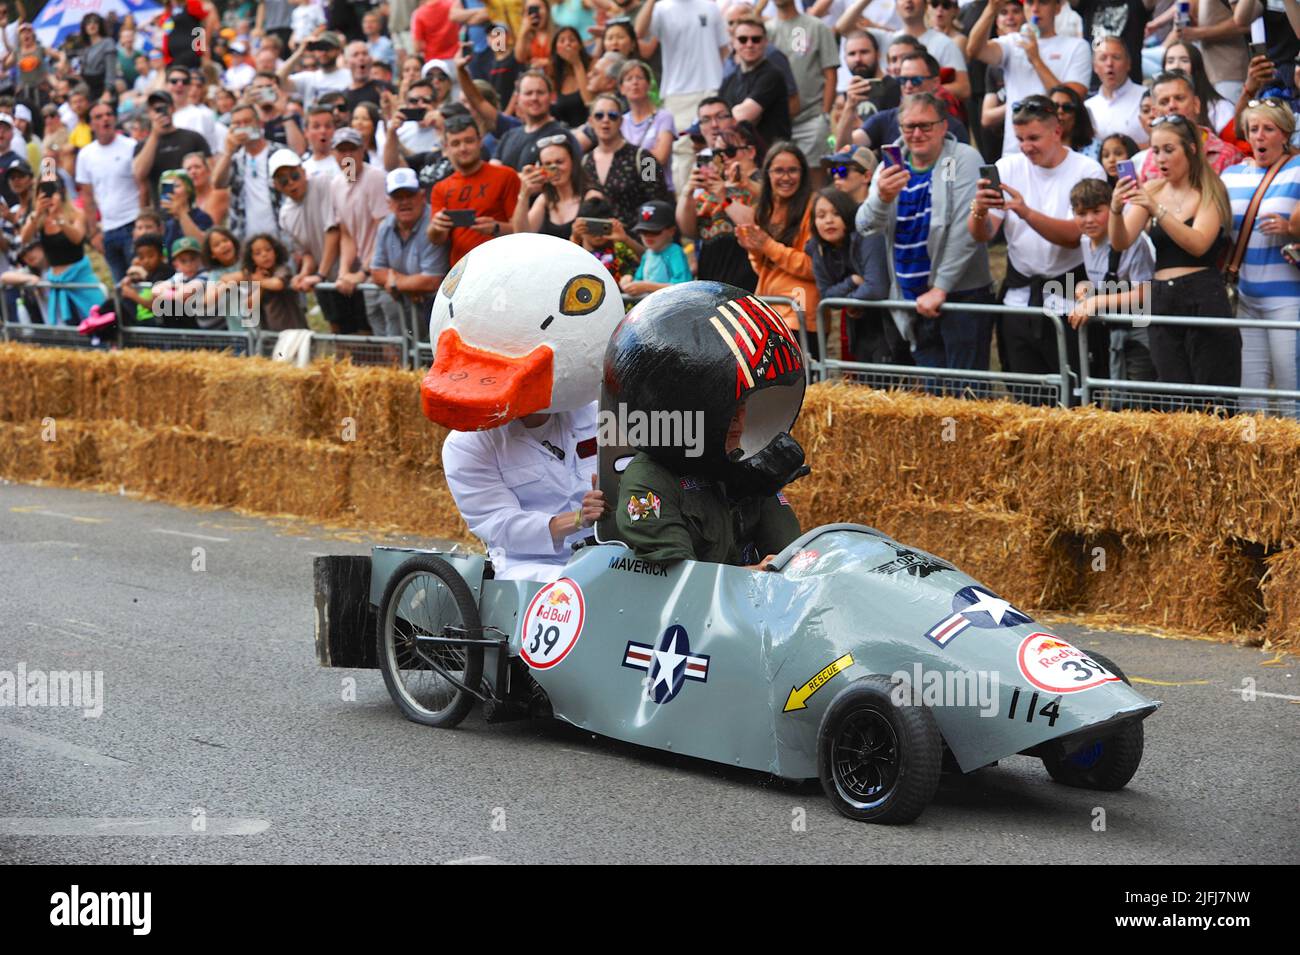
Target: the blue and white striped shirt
(911, 233)
(1264, 273)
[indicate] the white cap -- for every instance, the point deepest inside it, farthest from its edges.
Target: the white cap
(403, 177)
(22, 112)
(281, 158)
(6, 119)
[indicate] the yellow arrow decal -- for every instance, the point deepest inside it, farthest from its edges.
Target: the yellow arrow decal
(799, 695)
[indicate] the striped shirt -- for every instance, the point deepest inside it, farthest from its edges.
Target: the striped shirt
(1264, 273)
(911, 233)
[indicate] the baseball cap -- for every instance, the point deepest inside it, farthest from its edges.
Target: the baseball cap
(22, 112)
(860, 156)
(654, 216)
(239, 47)
(400, 179)
(346, 135)
(6, 119)
(19, 168)
(448, 68)
(186, 244)
(329, 38)
(160, 96)
(281, 158)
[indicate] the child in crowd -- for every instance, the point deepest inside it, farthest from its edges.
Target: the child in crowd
(169, 297)
(848, 264)
(1117, 283)
(148, 267)
(664, 262)
(1114, 149)
(610, 244)
(31, 300)
(221, 262)
(266, 266)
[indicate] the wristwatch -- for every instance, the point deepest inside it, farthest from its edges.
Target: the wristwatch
(496, 228)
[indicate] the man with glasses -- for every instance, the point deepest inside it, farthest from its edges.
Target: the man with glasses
(1032, 61)
(311, 229)
(242, 168)
(921, 208)
(1116, 107)
(756, 92)
(489, 190)
(917, 73)
(850, 171)
(1044, 258)
(693, 39)
(732, 15)
(406, 264)
(165, 147)
(1172, 94)
(414, 135)
(108, 187)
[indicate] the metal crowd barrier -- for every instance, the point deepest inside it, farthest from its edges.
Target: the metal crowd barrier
(1166, 396)
(1053, 387)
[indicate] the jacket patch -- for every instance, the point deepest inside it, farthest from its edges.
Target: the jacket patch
(641, 507)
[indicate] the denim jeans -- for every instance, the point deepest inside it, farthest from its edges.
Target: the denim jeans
(119, 247)
(957, 340)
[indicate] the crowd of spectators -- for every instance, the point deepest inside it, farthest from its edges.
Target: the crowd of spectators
(346, 154)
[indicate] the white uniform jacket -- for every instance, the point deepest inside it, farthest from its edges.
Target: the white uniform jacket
(508, 485)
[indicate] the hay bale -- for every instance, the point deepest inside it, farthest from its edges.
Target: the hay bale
(870, 449)
(36, 383)
(405, 496)
(180, 466)
(1013, 554)
(379, 410)
(21, 455)
(1147, 474)
(1281, 589)
(1193, 584)
(248, 399)
(275, 475)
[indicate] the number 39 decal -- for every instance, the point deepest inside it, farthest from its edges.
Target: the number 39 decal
(552, 624)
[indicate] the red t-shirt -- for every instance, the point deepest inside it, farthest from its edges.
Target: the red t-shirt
(434, 31)
(492, 191)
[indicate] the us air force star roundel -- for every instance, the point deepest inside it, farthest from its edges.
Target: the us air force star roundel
(975, 607)
(669, 662)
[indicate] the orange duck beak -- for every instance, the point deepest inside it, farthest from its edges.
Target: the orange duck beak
(471, 389)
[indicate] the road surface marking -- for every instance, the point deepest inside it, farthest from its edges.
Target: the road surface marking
(110, 826)
(202, 537)
(1276, 696)
(1142, 679)
(67, 517)
(57, 747)
(475, 860)
(81, 623)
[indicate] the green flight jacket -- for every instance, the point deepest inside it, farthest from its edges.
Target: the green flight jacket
(666, 516)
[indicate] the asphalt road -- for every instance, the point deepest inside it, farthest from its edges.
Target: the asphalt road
(221, 740)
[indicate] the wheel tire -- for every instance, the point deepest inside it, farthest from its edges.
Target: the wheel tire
(878, 762)
(449, 704)
(1108, 763)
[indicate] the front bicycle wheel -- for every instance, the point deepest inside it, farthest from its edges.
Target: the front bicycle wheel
(426, 597)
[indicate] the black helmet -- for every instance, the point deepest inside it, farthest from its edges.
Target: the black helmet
(701, 349)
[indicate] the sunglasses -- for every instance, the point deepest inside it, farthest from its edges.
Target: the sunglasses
(1066, 108)
(913, 80)
(1040, 105)
(842, 172)
(1171, 118)
(419, 101)
(283, 179)
(943, 4)
(559, 139)
(602, 115)
(728, 151)
(1267, 101)
(179, 81)
(919, 127)
(751, 38)
(457, 124)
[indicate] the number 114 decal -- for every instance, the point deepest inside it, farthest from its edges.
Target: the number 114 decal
(1050, 711)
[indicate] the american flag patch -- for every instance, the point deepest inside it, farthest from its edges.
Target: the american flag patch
(694, 484)
(781, 499)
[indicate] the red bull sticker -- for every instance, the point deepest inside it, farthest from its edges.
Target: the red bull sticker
(1051, 664)
(803, 560)
(552, 624)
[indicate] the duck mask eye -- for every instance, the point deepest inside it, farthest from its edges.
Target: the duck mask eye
(582, 295)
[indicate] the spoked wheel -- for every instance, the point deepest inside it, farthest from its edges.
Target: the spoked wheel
(427, 597)
(1107, 763)
(878, 761)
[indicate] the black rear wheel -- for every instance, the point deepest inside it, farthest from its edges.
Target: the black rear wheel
(878, 761)
(1107, 763)
(427, 597)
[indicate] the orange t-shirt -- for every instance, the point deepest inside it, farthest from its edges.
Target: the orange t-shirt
(491, 191)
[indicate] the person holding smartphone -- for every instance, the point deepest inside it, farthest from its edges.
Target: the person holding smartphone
(487, 190)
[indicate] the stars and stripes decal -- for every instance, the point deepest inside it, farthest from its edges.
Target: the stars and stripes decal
(757, 336)
(669, 662)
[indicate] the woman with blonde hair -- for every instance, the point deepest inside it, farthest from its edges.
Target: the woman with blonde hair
(1189, 216)
(1269, 285)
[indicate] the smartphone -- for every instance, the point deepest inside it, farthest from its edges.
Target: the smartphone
(413, 114)
(893, 155)
(1183, 16)
(1258, 49)
(704, 157)
(461, 218)
(164, 191)
(992, 175)
(50, 188)
(1124, 169)
(599, 226)
(268, 95)
(697, 139)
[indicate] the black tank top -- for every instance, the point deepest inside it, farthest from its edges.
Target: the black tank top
(560, 230)
(60, 250)
(1171, 255)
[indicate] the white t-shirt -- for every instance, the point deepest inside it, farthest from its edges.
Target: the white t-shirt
(1046, 191)
(690, 33)
(310, 84)
(259, 214)
(239, 76)
(1119, 113)
(417, 138)
(1069, 58)
(202, 120)
(327, 167)
(944, 50)
(107, 170)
